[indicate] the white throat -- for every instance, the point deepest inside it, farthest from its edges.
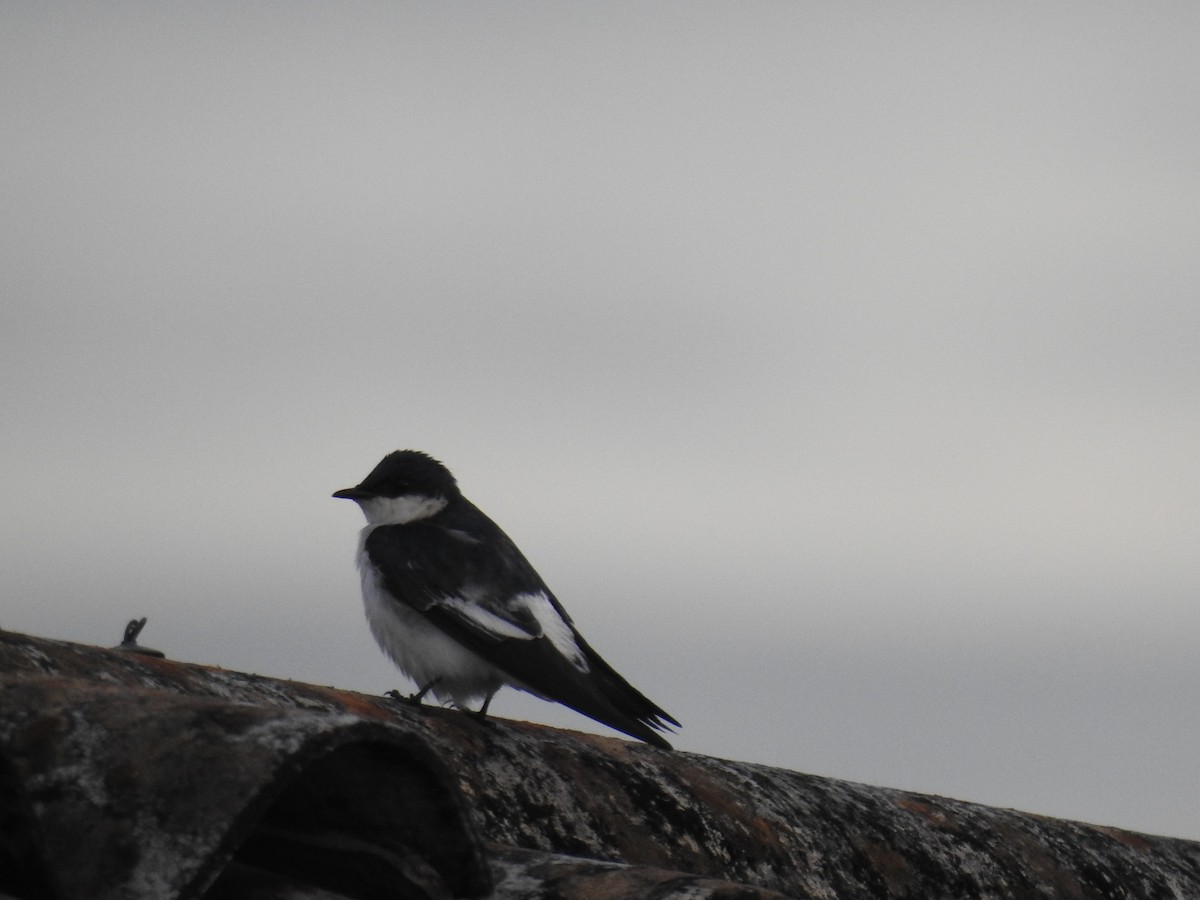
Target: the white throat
(401, 510)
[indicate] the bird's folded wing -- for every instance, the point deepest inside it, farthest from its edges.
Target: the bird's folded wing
(479, 589)
(446, 574)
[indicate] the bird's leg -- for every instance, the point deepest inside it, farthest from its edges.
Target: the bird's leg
(481, 713)
(414, 699)
(420, 695)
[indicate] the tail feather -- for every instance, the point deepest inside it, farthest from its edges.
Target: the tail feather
(618, 704)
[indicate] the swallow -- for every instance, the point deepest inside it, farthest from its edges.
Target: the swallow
(457, 607)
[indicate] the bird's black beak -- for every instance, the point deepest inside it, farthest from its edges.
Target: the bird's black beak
(350, 494)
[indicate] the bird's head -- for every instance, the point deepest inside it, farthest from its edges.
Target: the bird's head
(406, 486)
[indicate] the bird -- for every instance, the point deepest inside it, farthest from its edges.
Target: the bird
(460, 610)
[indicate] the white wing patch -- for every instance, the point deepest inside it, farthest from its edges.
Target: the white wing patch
(561, 635)
(552, 625)
(485, 619)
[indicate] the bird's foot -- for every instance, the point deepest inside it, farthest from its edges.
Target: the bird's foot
(480, 715)
(412, 699)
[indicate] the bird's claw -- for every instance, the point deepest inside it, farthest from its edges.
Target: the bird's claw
(412, 699)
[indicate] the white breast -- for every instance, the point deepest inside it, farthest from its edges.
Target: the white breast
(421, 650)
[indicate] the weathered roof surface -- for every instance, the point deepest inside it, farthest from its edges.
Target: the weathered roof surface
(128, 776)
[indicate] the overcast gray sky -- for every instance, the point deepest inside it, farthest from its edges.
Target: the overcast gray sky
(837, 365)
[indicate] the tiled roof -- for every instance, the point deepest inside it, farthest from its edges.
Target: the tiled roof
(126, 776)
